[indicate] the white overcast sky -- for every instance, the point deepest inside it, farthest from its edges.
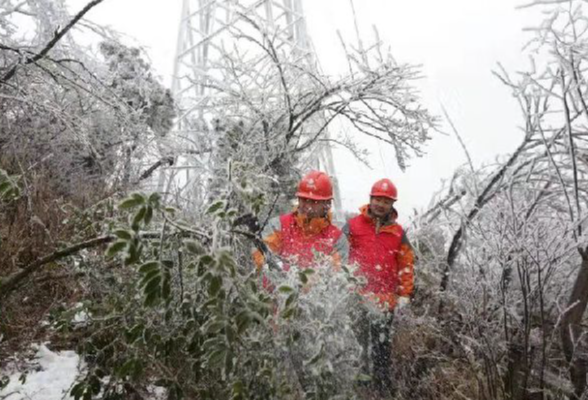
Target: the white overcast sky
(457, 42)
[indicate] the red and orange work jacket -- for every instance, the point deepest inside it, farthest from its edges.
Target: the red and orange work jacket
(384, 257)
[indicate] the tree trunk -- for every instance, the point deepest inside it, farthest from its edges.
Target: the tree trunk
(571, 328)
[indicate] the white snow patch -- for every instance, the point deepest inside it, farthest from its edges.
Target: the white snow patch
(53, 381)
(82, 315)
(157, 392)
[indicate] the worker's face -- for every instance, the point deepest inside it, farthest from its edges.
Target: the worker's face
(314, 208)
(381, 206)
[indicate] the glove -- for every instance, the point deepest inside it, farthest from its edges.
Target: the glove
(401, 303)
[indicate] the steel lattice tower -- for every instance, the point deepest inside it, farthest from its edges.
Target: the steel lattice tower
(207, 32)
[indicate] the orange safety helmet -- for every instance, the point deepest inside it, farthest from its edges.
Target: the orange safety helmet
(315, 185)
(384, 188)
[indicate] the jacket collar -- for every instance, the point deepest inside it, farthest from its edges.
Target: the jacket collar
(381, 226)
(312, 226)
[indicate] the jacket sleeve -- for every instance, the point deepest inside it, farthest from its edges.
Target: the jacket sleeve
(272, 237)
(405, 268)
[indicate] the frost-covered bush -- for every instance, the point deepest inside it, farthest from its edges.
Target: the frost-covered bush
(181, 309)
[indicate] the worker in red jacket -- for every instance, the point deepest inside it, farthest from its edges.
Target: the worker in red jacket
(384, 256)
(307, 230)
(303, 238)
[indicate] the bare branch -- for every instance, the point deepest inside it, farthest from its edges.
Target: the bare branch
(58, 36)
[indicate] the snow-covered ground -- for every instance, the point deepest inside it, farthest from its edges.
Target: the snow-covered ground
(50, 376)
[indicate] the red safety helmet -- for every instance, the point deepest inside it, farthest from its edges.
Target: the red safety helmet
(384, 188)
(315, 185)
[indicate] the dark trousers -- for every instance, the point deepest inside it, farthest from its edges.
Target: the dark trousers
(373, 334)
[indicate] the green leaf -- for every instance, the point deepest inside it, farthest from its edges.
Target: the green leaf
(171, 210)
(206, 276)
(285, 289)
(148, 215)
(303, 278)
(9, 189)
(115, 248)
(4, 381)
(151, 299)
(138, 218)
(215, 286)
(215, 207)
(206, 259)
(149, 266)
(5, 186)
(148, 277)
(291, 299)
(288, 313)
(363, 378)
(77, 391)
(213, 327)
(166, 286)
(123, 234)
(213, 342)
(139, 197)
(127, 369)
(256, 317)
(253, 286)
(225, 260)
(229, 363)
(135, 333)
(194, 247)
(238, 389)
(94, 384)
(216, 358)
(154, 199)
(134, 254)
(153, 285)
(243, 321)
(129, 203)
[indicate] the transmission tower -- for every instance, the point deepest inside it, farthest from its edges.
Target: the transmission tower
(208, 32)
